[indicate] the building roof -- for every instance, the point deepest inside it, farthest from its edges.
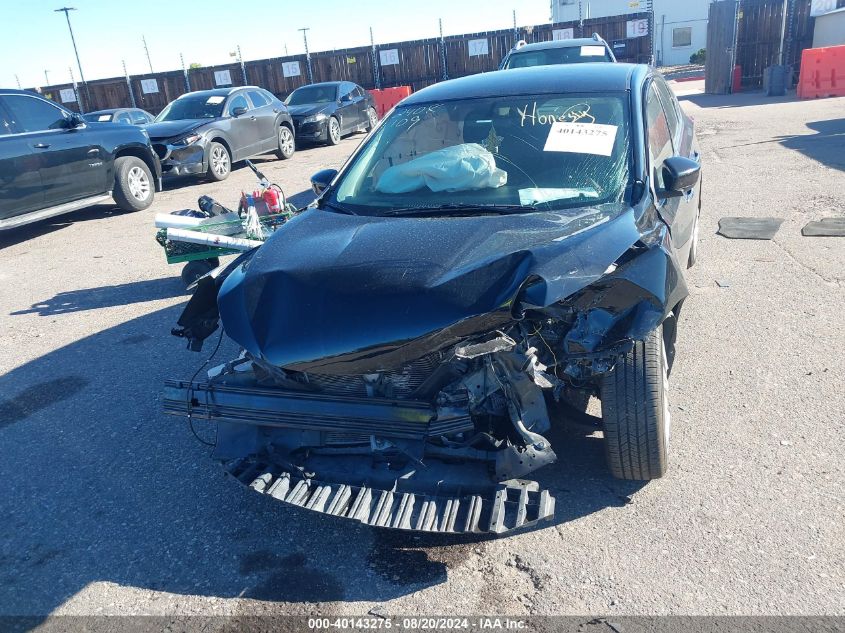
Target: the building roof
(560, 78)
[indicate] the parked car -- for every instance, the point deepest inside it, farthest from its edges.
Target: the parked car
(325, 112)
(576, 51)
(204, 132)
(128, 116)
(501, 249)
(52, 161)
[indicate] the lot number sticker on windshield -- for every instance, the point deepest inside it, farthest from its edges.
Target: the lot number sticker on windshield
(592, 51)
(581, 138)
(215, 100)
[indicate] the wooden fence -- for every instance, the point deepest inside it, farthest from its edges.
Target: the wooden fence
(759, 25)
(419, 63)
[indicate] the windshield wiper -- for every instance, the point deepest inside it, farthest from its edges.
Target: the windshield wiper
(336, 207)
(458, 208)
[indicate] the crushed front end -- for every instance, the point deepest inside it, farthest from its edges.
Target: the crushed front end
(350, 399)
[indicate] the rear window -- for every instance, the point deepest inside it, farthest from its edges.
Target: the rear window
(552, 56)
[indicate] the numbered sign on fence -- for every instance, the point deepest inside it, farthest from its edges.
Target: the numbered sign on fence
(149, 86)
(290, 69)
(563, 34)
(820, 7)
(390, 57)
(636, 28)
(478, 47)
(222, 78)
(67, 95)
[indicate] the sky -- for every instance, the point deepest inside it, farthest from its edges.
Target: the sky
(33, 38)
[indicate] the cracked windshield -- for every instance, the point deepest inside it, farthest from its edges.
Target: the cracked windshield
(543, 152)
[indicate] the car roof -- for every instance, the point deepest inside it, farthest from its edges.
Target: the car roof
(557, 79)
(541, 46)
(109, 110)
(219, 92)
(326, 83)
(15, 91)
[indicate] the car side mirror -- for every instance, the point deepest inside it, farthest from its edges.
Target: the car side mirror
(236, 112)
(346, 98)
(680, 174)
(322, 179)
(75, 120)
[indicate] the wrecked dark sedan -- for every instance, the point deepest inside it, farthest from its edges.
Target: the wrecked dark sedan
(500, 249)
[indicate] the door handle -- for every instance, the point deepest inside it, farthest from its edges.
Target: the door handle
(252, 118)
(93, 151)
(41, 145)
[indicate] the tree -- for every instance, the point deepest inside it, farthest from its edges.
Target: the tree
(195, 65)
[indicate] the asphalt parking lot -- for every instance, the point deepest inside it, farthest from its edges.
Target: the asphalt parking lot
(110, 507)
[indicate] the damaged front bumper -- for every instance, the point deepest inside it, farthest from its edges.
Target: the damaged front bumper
(180, 160)
(435, 423)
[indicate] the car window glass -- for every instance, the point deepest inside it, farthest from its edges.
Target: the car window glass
(669, 106)
(345, 89)
(312, 94)
(32, 115)
(5, 122)
(659, 136)
(123, 117)
(238, 101)
(564, 55)
(358, 92)
(257, 98)
(553, 151)
(140, 118)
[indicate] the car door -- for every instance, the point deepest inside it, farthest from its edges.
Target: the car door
(347, 109)
(20, 179)
(683, 142)
(243, 129)
(266, 118)
(71, 161)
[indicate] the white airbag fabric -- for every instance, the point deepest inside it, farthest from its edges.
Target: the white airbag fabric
(457, 168)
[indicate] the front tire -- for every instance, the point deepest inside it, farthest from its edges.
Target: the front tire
(287, 145)
(133, 184)
(372, 119)
(219, 162)
(333, 131)
(635, 411)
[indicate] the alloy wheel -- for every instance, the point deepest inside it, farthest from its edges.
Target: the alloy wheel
(219, 161)
(334, 130)
(285, 141)
(139, 184)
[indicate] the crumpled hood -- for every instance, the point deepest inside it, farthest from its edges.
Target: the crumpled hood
(328, 287)
(307, 109)
(169, 129)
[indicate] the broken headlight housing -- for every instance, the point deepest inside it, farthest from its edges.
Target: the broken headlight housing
(190, 139)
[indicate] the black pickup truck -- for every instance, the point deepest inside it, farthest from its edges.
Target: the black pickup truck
(53, 161)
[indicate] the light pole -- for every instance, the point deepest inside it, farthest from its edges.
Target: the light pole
(307, 54)
(66, 11)
(46, 77)
(147, 51)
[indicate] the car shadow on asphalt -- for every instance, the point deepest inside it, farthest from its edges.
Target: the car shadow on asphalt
(825, 146)
(11, 237)
(107, 296)
(102, 487)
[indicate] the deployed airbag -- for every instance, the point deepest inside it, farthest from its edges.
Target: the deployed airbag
(457, 168)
